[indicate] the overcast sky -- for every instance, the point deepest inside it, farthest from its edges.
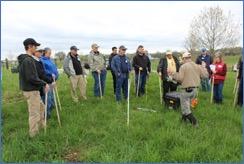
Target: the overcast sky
(156, 25)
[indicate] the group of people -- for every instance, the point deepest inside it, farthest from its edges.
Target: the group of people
(38, 75)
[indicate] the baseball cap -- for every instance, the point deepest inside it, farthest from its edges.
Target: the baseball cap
(30, 41)
(74, 48)
(39, 49)
(186, 55)
(122, 47)
(94, 45)
(168, 52)
(203, 49)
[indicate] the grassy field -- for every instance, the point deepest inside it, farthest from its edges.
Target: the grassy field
(95, 130)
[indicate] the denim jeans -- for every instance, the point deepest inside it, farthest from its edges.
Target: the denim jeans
(218, 96)
(240, 93)
(143, 79)
(50, 101)
(121, 83)
(205, 84)
(96, 82)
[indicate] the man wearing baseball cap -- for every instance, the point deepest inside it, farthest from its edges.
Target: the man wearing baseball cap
(189, 76)
(168, 63)
(75, 72)
(30, 84)
(206, 59)
(97, 64)
(121, 67)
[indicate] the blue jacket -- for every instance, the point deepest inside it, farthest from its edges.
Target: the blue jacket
(207, 59)
(120, 65)
(49, 67)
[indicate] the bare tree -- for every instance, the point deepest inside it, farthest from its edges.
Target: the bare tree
(60, 55)
(214, 30)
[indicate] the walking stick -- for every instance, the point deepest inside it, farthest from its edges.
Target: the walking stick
(128, 103)
(212, 89)
(46, 94)
(236, 93)
(147, 80)
(56, 106)
(138, 83)
(56, 88)
(100, 86)
(234, 90)
(160, 89)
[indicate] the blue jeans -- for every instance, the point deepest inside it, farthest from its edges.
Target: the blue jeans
(50, 102)
(218, 96)
(96, 82)
(205, 84)
(240, 93)
(121, 83)
(143, 79)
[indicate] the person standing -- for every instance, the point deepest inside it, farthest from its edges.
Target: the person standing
(206, 58)
(40, 71)
(219, 77)
(51, 72)
(142, 64)
(240, 78)
(97, 64)
(73, 68)
(189, 76)
(121, 67)
(112, 55)
(169, 63)
(30, 84)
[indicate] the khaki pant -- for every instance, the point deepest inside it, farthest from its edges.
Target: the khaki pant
(78, 81)
(36, 111)
(185, 101)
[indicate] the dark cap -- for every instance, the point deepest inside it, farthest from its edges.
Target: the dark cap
(74, 48)
(30, 41)
(122, 47)
(203, 49)
(140, 46)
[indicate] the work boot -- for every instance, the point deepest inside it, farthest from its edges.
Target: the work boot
(183, 118)
(192, 119)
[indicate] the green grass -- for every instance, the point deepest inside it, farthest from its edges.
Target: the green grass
(96, 131)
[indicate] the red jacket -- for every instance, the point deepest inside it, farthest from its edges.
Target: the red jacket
(220, 74)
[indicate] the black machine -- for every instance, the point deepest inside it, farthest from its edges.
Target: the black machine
(172, 100)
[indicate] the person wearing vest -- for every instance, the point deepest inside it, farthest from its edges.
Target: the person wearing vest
(219, 77)
(97, 64)
(189, 76)
(208, 60)
(76, 74)
(168, 63)
(121, 66)
(141, 63)
(112, 55)
(240, 78)
(30, 84)
(51, 71)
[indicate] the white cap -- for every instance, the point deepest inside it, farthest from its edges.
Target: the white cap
(186, 55)
(168, 52)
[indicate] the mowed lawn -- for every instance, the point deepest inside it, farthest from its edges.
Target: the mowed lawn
(96, 131)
